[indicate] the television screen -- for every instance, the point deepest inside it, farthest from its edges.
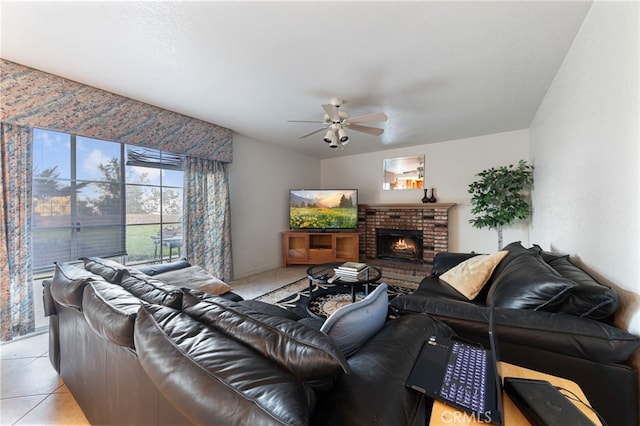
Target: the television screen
(323, 208)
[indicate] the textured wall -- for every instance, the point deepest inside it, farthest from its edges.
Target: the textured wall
(36, 99)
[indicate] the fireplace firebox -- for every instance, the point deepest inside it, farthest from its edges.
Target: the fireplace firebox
(399, 244)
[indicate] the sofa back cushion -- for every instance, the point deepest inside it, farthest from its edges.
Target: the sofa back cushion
(219, 380)
(151, 290)
(307, 353)
(589, 298)
(111, 311)
(68, 283)
(527, 282)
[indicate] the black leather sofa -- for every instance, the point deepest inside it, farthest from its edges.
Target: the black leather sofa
(550, 316)
(133, 349)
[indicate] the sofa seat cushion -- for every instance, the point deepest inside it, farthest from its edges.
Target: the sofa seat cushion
(151, 290)
(553, 332)
(68, 284)
(213, 378)
(110, 270)
(306, 353)
(527, 282)
(111, 311)
(196, 278)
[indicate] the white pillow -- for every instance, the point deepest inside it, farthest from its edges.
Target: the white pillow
(352, 325)
(470, 276)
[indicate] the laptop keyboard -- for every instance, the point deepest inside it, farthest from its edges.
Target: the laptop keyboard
(464, 378)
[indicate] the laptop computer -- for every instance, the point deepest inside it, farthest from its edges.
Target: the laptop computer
(462, 375)
(540, 402)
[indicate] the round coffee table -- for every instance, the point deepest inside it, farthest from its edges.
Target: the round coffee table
(325, 274)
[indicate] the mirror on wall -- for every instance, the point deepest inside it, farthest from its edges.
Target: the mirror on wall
(403, 172)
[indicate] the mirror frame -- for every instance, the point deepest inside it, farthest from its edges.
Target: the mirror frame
(407, 168)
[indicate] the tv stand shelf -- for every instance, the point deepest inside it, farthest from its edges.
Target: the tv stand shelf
(312, 248)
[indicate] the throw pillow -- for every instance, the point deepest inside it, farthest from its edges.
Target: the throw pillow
(108, 269)
(527, 282)
(470, 276)
(196, 278)
(352, 325)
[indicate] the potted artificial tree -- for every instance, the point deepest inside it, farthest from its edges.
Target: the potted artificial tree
(499, 197)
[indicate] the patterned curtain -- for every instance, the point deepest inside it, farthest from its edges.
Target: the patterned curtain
(16, 275)
(206, 216)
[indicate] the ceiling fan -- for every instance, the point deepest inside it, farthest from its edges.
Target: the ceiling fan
(337, 121)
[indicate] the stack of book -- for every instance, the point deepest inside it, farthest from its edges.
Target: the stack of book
(351, 271)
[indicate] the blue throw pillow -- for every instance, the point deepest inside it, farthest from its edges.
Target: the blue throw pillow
(352, 325)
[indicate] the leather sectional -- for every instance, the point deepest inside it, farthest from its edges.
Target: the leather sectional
(135, 350)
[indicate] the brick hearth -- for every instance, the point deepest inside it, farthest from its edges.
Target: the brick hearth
(431, 219)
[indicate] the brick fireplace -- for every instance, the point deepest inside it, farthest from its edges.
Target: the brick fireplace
(425, 224)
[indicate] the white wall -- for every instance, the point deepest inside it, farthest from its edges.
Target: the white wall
(259, 179)
(450, 168)
(585, 143)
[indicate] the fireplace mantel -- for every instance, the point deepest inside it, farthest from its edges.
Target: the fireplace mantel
(432, 219)
(408, 206)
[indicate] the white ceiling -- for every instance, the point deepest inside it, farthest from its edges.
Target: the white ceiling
(439, 70)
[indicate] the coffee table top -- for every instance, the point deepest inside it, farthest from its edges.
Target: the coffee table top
(326, 272)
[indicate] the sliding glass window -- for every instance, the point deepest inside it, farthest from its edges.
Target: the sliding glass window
(87, 201)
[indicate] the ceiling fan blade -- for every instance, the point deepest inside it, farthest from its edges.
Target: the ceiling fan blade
(364, 129)
(305, 121)
(313, 132)
(332, 112)
(369, 118)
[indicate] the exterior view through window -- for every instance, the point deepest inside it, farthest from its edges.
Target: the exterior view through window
(99, 198)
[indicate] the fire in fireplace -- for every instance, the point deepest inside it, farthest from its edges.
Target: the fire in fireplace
(399, 244)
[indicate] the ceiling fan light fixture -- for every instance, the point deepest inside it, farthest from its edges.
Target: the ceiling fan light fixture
(330, 136)
(334, 143)
(343, 136)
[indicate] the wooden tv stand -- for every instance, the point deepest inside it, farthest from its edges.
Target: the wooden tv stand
(311, 248)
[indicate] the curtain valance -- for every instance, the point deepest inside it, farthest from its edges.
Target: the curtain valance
(37, 99)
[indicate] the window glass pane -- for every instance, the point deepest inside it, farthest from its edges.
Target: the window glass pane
(145, 175)
(50, 245)
(97, 160)
(100, 240)
(100, 204)
(51, 207)
(172, 178)
(51, 154)
(143, 243)
(143, 204)
(171, 204)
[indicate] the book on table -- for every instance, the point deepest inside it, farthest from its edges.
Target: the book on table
(352, 267)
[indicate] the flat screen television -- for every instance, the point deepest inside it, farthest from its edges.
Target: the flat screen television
(323, 209)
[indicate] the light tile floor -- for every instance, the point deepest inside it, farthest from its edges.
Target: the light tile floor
(32, 393)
